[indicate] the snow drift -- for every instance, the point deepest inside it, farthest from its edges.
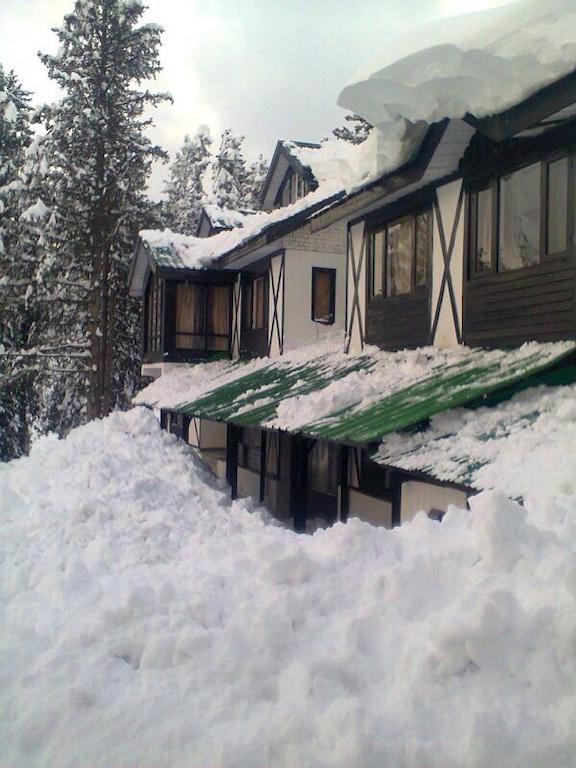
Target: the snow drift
(147, 621)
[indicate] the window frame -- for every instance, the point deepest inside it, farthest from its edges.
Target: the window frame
(383, 228)
(494, 185)
(248, 308)
(207, 299)
(331, 272)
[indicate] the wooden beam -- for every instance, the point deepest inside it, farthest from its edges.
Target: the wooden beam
(232, 440)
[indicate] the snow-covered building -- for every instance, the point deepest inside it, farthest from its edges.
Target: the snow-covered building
(449, 232)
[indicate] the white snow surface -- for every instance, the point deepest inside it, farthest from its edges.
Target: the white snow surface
(226, 217)
(147, 621)
(479, 63)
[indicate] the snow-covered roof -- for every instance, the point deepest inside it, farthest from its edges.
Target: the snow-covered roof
(171, 249)
(226, 218)
(477, 63)
(504, 446)
(321, 391)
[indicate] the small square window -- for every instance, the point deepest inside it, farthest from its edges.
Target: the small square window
(323, 295)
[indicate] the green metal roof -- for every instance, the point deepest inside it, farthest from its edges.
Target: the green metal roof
(253, 399)
(456, 447)
(165, 256)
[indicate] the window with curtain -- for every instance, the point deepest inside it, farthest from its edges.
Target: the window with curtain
(258, 288)
(153, 315)
(190, 316)
(272, 454)
(250, 448)
(323, 295)
(323, 468)
(481, 229)
(399, 256)
(530, 206)
(519, 223)
(218, 331)
(557, 206)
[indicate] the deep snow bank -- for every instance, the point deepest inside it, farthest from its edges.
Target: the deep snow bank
(148, 622)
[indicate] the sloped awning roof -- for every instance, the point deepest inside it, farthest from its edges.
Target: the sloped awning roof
(474, 447)
(359, 399)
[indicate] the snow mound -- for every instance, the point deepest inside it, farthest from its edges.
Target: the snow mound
(149, 622)
(477, 63)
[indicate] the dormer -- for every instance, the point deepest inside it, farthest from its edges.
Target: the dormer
(215, 219)
(290, 176)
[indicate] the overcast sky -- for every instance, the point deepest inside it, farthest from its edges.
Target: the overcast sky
(269, 69)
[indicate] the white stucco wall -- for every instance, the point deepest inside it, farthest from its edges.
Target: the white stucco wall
(355, 324)
(446, 334)
(370, 509)
(207, 435)
(418, 496)
(299, 327)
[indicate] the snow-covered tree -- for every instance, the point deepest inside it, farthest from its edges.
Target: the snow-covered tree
(230, 178)
(185, 187)
(356, 132)
(15, 267)
(256, 176)
(99, 158)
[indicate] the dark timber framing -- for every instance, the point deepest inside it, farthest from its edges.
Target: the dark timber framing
(535, 302)
(447, 252)
(277, 289)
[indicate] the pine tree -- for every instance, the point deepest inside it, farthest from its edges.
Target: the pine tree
(230, 179)
(256, 177)
(185, 186)
(99, 158)
(356, 132)
(15, 267)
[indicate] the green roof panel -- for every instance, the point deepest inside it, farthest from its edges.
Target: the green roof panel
(253, 399)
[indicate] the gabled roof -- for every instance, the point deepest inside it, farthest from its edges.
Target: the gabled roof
(287, 155)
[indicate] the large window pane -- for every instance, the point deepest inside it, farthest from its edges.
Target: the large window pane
(258, 320)
(323, 468)
(323, 292)
(557, 206)
(399, 257)
(377, 263)
(482, 230)
(423, 240)
(218, 317)
(190, 316)
(520, 196)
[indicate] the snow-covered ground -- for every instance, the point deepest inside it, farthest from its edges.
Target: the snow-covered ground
(148, 622)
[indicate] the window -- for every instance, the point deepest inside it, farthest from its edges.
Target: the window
(254, 303)
(557, 206)
(367, 476)
(292, 188)
(519, 223)
(250, 449)
(481, 229)
(250, 446)
(153, 316)
(272, 454)
(519, 218)
(323, 295)
(399, 256)
(323, 468)
(202, 317)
